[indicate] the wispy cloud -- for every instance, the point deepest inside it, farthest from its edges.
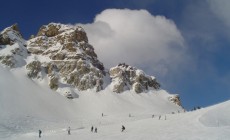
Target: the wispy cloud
(222, 9)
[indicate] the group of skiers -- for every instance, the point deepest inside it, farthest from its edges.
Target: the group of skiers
(68, 130)
(95, 130)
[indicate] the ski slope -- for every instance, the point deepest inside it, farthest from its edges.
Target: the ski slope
(27, 106)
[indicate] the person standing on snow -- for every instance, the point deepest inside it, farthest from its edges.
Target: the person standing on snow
(40, 133)
(68, 130)
(92, 129)
(159, 117)
(95, 130)
(122, 128)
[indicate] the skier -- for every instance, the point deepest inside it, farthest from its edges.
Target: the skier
(68, 130)
(129, 115)
(159, 117)
(102, 114)
(122, 128)
(40, 133)
(152, 116)
(95, 130)
(92, 129)
(165, 117)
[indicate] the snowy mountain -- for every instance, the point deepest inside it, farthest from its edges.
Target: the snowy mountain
(61, 56)
(60, 60)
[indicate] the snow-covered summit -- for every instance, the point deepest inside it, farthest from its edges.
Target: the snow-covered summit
(62, 42)
(12, 47)
(11, 35)
(61, 56)
(65, 55)
(125, 77)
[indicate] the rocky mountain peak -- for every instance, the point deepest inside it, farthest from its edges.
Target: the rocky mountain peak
(75, 33)
(12, 47)
(125, 77)
(69, 58)
(62, 55)
(10, 35)
(62, 42)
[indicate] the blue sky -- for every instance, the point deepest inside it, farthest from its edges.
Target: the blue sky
(198, 71)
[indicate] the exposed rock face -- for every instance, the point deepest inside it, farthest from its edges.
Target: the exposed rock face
(33, 69)
(53, 83)
(12, 47)
(125, 77)
(62, 54)
(175, 99)
(72, 59)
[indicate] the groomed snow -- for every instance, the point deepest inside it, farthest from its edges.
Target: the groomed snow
(27, 106)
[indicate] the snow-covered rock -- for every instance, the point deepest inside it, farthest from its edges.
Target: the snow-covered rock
(12, 47)
(175, 99)
(71, 59)
(125, 77)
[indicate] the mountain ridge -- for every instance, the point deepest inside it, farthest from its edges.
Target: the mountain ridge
(61, 53)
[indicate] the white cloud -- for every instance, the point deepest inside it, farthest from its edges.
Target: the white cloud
(137, 38)
(221, 8)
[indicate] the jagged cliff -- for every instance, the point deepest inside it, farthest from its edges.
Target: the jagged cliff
(12, 47)
(125, 77)
(62, 55)
(69, 58)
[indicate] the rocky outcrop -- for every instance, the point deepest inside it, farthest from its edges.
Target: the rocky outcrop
(33, 69)
(175, 99)
(71, 59)
(6, 37)
(12, 47)
(125, 77)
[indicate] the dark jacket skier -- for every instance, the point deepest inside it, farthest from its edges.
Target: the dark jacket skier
(95, 130)
(122, 128)
(68, 130)
(159, 117)
(40, 133)
(92, 129)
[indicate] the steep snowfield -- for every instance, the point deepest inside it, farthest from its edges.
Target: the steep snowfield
(27, 106)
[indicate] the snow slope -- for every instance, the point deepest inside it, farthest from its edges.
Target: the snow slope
(182, 126)
(27, 106)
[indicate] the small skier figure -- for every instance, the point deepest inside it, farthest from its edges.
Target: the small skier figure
(122, 128)
(92, 129)
(165, 117)
(152, 116)
(102, 114)
(95, 131)
(159, 117)
(68, 130)
(40, 133)
(129, 115)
